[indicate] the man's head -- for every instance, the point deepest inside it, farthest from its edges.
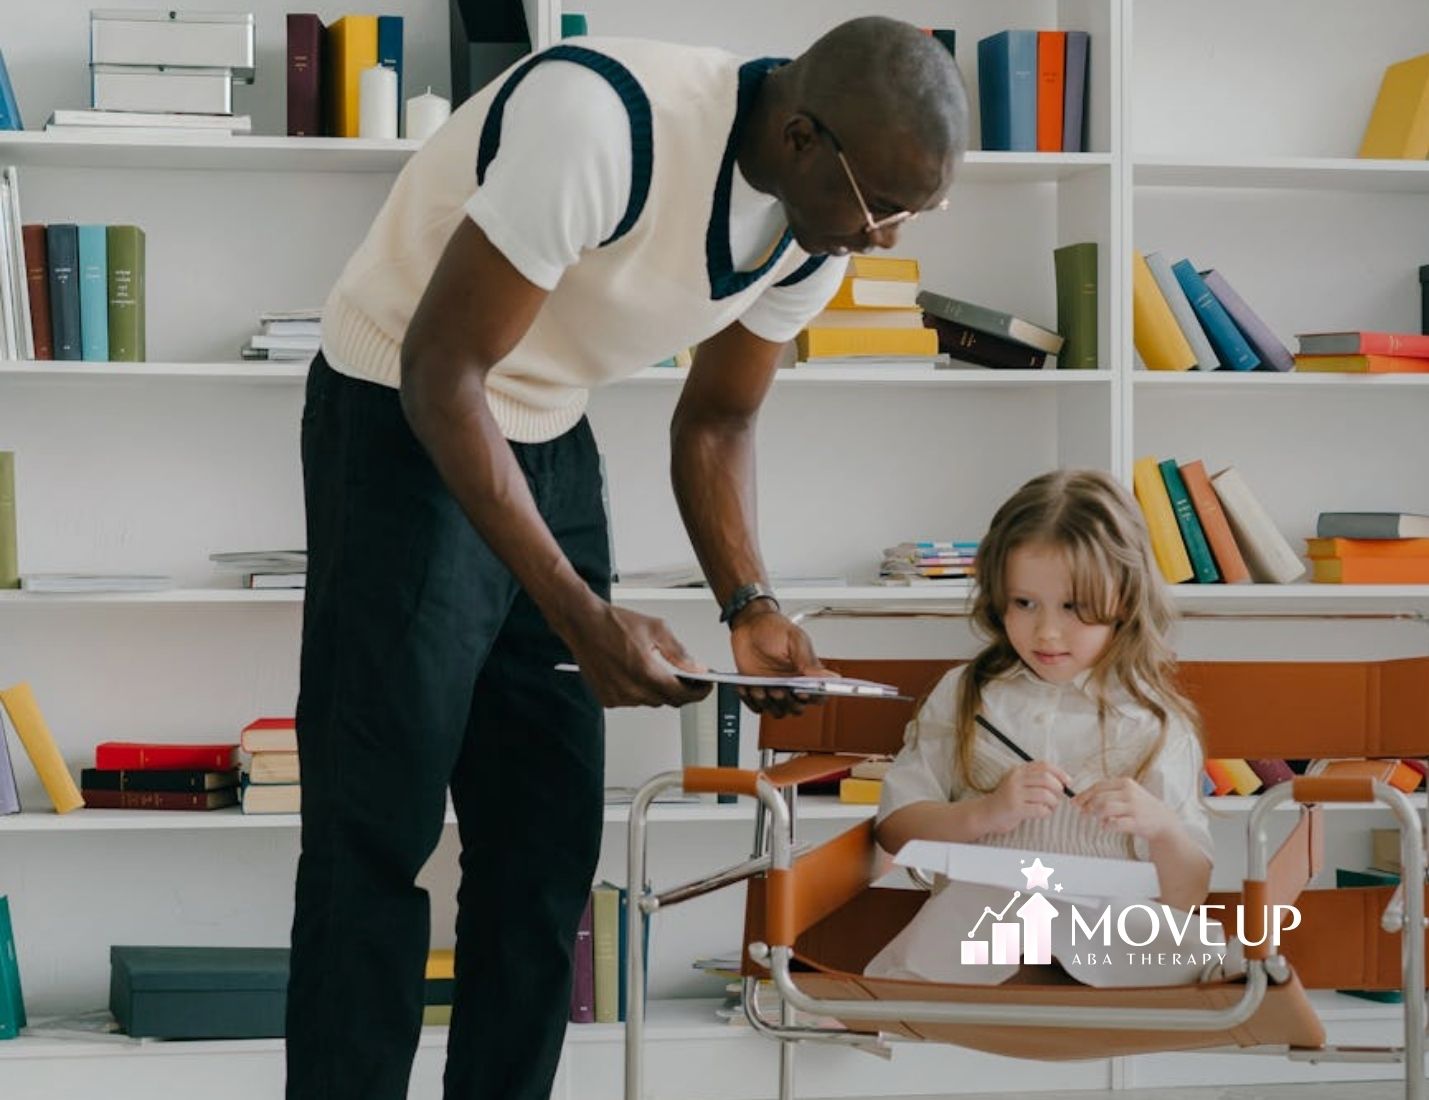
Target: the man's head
(872, 120)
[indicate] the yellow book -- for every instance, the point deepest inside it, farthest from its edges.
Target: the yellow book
(862, 791)
(900, 268)
(441, 963)
(1399, 124)
(815, 342)
(860, 293)
(351, 47)
(19, 703)
(1154, 330)
(1166, 544)
(1243, 778)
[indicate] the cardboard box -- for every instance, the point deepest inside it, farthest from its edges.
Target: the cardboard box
(199, 992)
(204, 40)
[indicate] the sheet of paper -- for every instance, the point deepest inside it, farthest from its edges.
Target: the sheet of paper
(1069, 878)
(802, 685)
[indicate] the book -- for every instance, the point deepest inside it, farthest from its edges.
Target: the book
(163, 121)
(992, 321)
(1370, 570)
(812, 343)
(274, 767)
(1271, 772)
(62, 253)
(12, 998)
(128, 779)
(1363, 343)
(9, 786)
(968, 345)
(1214, 524)
(1384, 851)
(127, 304)
(621, 947)
(1243, 778)
(9, 524)
(94, 582)
(1203, 566)
(1051, 81)
(24, 713)
(868, 318)
(272, 798)
(440, 965)
(269, 735)
(1393, 772)
(1165, 534)
(1158, 339)
(1372, 525)
(859, 791)
(1399, 123)
(1367, 548)
(1090, 878)
(727, 731)
(9, 106)
(350, 47)
(259, 581)
(37, 282)
(1361, 364)
(1219, 776)
(1230, 345)
(139, 755)
(93, 294)
(1075, 269)
(1267, 554)
(1074, 93)
(895, 268)
(305, 74)
(389, 47)
(1180, 305)
(14, 259)
(160, 800)
(1007, 90)
(605, 951)
(858, 293)
(1257, 333)
(583, 971)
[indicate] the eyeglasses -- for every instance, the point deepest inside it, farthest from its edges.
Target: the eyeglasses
(871, 224)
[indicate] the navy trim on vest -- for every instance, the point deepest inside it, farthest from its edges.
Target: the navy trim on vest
(637, 106)
(803, 271)
(724, 280)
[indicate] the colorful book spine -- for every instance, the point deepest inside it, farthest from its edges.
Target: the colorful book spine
(1367, 548)
(305, 75)
(1159, 340)
(389, 47)
(9, 536)
(1181, 309)
(965, 343)
(19, 703)
(1399, 123)
(1202, 563)
(1243, 778)
(1074, 94)
(1166, 544)
(161, 800)
(127, 303)
(351, 47)
(1007, 91)
(815, 343)
(1267, 554)
(37, 279)
(1214, 524)
(1230, 345)
(121, 779)
(1271, 772)
(583, 971)
(1370, 570)
(1220, 777)
(94, 293)
(727, 735)
(139, 755)
(12, 998)
(1075, 270)
(605, 951)
(1051, 87)
(1257, 333)
(62, 252)
(622, 948)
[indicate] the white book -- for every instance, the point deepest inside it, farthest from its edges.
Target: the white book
(292, 328)
(94, 582)
(285, 343)
(273, 766)
(260, 581)
(290, 315)
(883, 293)
(1170, 288)
(1268, 556)
(154, 120)
(272, 798)
(10, 344)
(15, 246)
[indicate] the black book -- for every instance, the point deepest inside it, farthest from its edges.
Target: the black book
(986, 350)
(132, 779)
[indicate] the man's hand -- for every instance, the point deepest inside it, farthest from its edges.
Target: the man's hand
(765, 643)
(615, 648)
(1027, 792)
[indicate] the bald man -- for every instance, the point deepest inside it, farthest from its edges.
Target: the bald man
(600, 206)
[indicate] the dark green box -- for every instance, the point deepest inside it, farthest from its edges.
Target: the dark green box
(199, 992)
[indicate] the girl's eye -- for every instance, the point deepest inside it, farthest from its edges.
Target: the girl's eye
(1021, 602)
(1070, 607)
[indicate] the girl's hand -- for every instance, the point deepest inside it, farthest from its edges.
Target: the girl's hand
(1028, 791)
(1125, 806)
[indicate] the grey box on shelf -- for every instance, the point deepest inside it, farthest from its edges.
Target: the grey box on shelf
(199, 992)
(161, 90)
(200, 40)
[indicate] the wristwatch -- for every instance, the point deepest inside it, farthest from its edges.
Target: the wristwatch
(743, 596)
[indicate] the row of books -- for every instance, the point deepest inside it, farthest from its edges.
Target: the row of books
(325, 66)
(1363, 352)
(1032, 88)
(928, 560)
(85, 287)
(1235, 776)
(874, 312)
(271, 782)
(1374, 556)
(598, 988)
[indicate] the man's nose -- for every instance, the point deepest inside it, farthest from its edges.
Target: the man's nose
(885, 236)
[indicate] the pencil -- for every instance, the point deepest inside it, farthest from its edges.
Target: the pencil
(985, 724)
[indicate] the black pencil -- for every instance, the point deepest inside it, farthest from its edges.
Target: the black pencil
(985, 724)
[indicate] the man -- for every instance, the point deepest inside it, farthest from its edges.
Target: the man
(596, 209)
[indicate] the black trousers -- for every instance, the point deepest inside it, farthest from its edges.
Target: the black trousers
(425, 667)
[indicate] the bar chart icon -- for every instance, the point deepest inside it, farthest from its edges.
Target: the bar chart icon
(1006, 946)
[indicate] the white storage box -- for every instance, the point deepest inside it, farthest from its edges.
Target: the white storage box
(158, 90)
(202, 40)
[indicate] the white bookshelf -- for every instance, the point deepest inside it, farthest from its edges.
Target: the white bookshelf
(151, 467)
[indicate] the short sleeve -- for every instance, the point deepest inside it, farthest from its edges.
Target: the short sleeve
(561, 177)
(922, 770)
(1175, 778)
(780, 312)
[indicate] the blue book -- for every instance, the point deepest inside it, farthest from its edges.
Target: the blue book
(1074, 93)
(620, 956)
(1230, 345)
(94, 293)
(389, 48)
(62, 250)
(1007, 91)
(9, 105)
(12, 1001)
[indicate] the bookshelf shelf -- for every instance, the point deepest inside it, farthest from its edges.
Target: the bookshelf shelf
(48, 371)
(984, 167)
(1229, 382)
(1289, 598)
(1284, 173)
(253, 153)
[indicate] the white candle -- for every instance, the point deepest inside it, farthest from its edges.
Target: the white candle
(377, 103)
(425, 115)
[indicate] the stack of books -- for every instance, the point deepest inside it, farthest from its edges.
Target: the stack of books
(1032, 87)
(292, 335)
(271, 781)
(987, 337)
(1227, 775)
(928, 562)
(1363, 352)
(142, 775)
(873, 318)
(265, 568)
(1370, 548)
(325, 66)
(137, 125)
(1211, 529)
(1184, 318)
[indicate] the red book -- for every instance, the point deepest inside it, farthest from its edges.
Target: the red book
(37, 278)
(583, 971)
(305, 75)
(1411, 344)
(1051, 74)
(1271, 772)
(161, 800)
(269, 735)
(144, 755)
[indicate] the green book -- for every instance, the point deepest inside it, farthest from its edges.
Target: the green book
(605, 949)
(12, 1002)
(125, 244)
(9, 546)
(1075, 266)
(1199, 551)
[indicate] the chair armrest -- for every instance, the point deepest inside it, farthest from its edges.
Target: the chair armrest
(805, 768)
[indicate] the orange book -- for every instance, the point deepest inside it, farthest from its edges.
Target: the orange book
(1367, 548)
(1361, 364)
(1370, 570)
(1396, 773)
(1051, 77)
(1220, 776)
(1214, 523)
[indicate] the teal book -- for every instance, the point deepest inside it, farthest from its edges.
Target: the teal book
(1007, 91)
(1345, 877)
(1192, 534)
(1227, 340)
(94, 293)
(12, 1000)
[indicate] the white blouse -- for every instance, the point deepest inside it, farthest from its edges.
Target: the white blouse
(1056, 723)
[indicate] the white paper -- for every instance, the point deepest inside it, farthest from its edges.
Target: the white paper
(802, 685)
(1082, 878)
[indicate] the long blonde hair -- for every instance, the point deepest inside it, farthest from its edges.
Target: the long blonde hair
(1092, 519)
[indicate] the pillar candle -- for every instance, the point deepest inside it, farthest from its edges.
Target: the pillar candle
(377, 103)
(425, 115)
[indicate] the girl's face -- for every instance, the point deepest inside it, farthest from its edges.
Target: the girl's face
(1041, 619)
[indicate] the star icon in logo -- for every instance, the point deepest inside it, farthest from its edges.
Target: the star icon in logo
(1037, 874)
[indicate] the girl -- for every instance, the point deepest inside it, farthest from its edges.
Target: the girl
(1078, 673)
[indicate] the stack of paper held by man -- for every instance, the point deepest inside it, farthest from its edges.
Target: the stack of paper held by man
(1081, 879)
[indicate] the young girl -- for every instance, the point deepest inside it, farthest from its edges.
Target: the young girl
(1078, 673)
